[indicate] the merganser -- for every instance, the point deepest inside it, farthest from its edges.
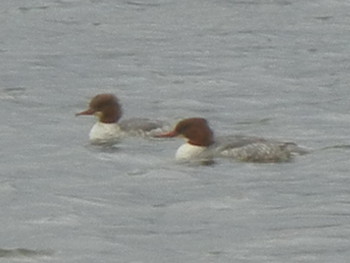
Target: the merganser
(107, 130)
(201, 145)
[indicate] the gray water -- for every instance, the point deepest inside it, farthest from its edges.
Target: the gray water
(272, 68)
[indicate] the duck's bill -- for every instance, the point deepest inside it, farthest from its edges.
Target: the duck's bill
(86, 112)
(167, 134)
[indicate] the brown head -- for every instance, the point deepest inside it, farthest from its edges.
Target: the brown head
(105, 106)
(196, 130)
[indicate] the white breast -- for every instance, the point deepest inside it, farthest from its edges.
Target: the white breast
(188, 152)
(102, 133)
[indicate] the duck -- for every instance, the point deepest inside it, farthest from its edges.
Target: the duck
(202, 145)
(109, 129)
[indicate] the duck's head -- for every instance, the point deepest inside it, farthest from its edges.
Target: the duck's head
(105, 106)
(196, 130)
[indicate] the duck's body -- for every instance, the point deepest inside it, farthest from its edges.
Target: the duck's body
(108, 129)
(256, 149)
(201, 144)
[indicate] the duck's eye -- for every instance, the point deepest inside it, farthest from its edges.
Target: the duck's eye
(182, 128)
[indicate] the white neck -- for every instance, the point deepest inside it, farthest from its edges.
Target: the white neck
(102, 133)
(187, 152)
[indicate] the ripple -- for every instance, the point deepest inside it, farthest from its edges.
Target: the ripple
(11, 93)
(27, 9)
(338, 146)
(23, 252)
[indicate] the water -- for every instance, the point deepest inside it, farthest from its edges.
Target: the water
(273, 68)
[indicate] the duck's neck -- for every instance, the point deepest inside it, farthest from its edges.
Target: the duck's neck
(200, 137)
(110, 115)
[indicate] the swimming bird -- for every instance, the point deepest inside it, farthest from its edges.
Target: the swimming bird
(201, 145)
(108, 129)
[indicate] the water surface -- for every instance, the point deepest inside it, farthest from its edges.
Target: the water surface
(272, 68)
